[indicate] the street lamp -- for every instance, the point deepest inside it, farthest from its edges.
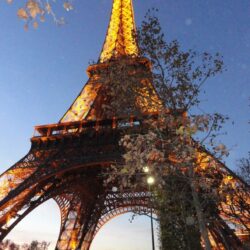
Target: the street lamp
(146, 169)
(151, 181)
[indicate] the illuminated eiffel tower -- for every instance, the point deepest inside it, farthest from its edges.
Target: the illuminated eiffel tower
(67, 161)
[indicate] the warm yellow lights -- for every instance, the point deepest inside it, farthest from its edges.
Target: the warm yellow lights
(150, 180)
(80, 108)
(73, 244)
(203, 160)
(146, 169)
(4, 190)
(12, 178)
(120, 39)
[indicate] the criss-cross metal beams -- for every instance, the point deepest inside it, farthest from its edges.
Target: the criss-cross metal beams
(84, 216)
(120, 39)
(223, 236)
(67, 168)
(120, 203)
(70, 166)
(77, 222)
(90, 103)
(80, 206)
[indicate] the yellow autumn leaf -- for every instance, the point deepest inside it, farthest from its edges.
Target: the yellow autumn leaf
(180, 131)
(26, 27)
(33, 8)
(67, 6)
(21, 13)
(35, 25)
(42, 18)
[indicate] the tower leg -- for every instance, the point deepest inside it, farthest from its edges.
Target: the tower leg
(80, 215)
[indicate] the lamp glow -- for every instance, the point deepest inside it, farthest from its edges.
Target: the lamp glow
(151, 180)
(146, 169)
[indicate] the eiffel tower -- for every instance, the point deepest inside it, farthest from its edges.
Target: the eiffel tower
(67, 161)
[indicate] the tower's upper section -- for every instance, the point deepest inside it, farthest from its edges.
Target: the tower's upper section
(97, 100)
(120, 39)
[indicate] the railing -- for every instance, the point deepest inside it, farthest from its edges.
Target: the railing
(81, 126)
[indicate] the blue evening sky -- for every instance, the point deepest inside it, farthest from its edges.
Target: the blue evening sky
(43, 70)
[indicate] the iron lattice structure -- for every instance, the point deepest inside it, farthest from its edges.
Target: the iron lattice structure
(69, 161)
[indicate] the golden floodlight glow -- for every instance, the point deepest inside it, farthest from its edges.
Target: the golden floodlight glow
(120, 39)
(73, 242)
(81, 106)
(146, 169)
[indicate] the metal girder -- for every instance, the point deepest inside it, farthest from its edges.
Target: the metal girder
(67, 169)
(71, 169)
(120, 39)
(89, 103)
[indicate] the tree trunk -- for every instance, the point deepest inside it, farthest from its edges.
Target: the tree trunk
(201, 221)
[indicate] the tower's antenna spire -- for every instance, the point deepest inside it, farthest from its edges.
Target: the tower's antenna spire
(120, 39)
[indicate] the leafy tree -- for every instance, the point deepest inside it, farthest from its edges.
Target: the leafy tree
(35, 11)
(34, 245)
(44, 245)
(172, 145)
(244, 168)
